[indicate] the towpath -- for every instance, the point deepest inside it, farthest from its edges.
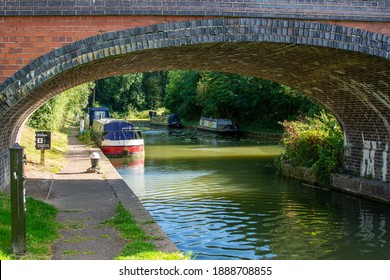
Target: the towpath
(85, 201)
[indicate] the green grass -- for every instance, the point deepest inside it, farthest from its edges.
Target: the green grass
(41, 229)
(139, 247)
(77, 252)
(54, 158)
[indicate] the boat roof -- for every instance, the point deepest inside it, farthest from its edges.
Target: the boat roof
(114, 123)
(98, 109)
(219, 121)
(109, 120)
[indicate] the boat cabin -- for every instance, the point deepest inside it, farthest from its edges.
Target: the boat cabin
(98, 113)
(218, 125)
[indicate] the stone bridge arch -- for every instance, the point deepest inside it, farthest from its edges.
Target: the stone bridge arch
(345, 69)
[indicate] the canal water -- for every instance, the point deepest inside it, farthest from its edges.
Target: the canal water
(220, 198)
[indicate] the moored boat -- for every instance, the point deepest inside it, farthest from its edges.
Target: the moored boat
(117, 137)
(95, 113)
(172, 120)
(223, 126)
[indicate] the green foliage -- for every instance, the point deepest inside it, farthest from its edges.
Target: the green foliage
(181, 95)
(126, 95)
(251, 101)
(248, 100)
(315, 142)
(86, 137)
(118, 92)
(52, 115)
(41, 229)
(54, 158)
(154, 88)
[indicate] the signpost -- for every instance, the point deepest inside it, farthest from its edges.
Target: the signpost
(43, 142)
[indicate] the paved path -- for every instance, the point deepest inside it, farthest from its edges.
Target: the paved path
(86, 200)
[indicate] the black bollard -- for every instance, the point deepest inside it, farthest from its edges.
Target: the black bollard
(18, 209)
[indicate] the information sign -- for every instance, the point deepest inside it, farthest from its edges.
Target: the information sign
(43, 140)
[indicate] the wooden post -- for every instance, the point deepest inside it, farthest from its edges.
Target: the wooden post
(42, 157)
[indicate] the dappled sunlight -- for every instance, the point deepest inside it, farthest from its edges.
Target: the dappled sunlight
(205, 151)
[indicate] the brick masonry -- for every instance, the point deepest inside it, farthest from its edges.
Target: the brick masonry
(4, 169)
(356, 10)
(344, 63)
(23, 39)
(29, 29)
(345, 69)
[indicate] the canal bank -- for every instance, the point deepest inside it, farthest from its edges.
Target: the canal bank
(86, 201)
(367, 188)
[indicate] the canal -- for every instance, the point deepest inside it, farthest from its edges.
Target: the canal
(220, 198)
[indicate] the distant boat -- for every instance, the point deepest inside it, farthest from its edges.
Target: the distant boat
(172, 120)
(222, 126)
(117, 137)
(95, 113)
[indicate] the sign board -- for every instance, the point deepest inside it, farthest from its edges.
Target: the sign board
(43, 140)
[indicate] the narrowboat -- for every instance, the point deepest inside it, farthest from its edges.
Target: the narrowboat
(172, 121)
(95, 113)
(222, 126)
(117, 137)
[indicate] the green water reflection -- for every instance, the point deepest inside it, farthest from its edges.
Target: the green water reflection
(221, 199)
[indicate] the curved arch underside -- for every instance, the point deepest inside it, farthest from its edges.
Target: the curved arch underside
(345, 69)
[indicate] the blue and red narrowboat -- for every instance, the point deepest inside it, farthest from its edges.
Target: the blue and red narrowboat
(117, 137)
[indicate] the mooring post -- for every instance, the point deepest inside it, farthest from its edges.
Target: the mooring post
(18, 209)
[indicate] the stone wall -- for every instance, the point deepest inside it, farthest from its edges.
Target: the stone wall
(4, 170)
(299, 173)
(372, 189)
(368, 188)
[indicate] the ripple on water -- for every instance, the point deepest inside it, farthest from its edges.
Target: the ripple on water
(236, 208)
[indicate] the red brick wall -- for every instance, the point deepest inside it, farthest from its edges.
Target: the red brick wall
(23, 39)
(344, 69)
(377, 27)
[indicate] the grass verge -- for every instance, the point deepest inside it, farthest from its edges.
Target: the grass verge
(138, 247)
(41, 229)
(54, 158)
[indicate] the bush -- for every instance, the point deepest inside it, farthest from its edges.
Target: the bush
(314, 142)
(86, 137)
(52, 115)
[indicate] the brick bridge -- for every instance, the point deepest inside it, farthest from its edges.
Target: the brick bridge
(337, 52)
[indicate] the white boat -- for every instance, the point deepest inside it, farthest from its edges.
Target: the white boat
(223, 126)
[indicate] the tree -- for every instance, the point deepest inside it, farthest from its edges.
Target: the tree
(120, 92)
(181, 95)
(51, 115)
(154, 88)
(249, 100)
